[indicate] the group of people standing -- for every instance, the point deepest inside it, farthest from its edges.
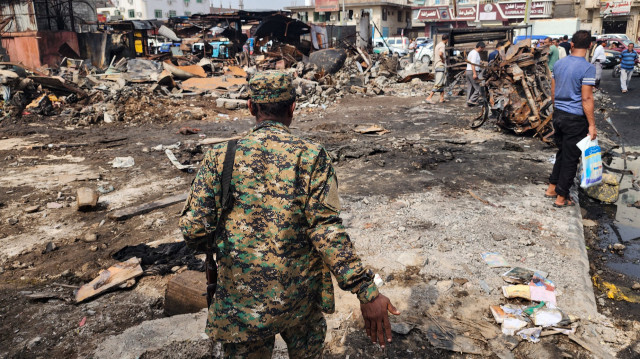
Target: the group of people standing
(628, 59)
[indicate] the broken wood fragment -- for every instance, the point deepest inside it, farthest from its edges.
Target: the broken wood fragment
(109, 278)
(129, 212)
(186, 293)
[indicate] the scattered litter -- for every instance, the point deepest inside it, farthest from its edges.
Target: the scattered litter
(123, 162)
(188, 130)
(484, 286)
(495, 260)
(511, 324)
(518, 275)
(531, 334)
(371, 130)
(106, 189)
(177, 163)
(83, 321)
(54, 205)
(481, 200)
(615, 292)
(547, 317)
(109, 278)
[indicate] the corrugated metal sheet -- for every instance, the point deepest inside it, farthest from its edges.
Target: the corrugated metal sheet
(22, 14)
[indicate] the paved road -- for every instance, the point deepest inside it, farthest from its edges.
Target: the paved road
(626, 116)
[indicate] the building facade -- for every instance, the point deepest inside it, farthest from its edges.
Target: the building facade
(154, 9)
(466, 13)
(391, 17)
(611, 17)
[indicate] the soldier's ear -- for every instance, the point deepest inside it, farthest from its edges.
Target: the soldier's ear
(291, 109)
(251, 110)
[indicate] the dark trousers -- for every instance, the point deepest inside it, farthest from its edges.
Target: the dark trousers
(570, 129)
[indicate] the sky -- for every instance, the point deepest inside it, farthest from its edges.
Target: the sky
(259, 4)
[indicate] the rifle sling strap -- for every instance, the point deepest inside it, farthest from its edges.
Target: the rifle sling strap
(225, 199)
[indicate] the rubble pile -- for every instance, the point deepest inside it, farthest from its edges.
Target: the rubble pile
(518, 86)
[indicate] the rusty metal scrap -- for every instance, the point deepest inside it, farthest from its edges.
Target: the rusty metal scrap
(518, 90)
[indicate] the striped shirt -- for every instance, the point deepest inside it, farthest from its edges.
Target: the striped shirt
(628, 59)
(570, 74)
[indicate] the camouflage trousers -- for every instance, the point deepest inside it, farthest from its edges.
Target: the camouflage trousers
(305, 340)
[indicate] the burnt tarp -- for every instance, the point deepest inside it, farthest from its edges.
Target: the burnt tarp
(95, 47)
(282, 28)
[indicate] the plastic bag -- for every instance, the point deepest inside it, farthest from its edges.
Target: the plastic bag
(591, 173)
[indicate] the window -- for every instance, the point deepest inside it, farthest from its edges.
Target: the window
(187, 13)
(399, 16)
(316, 16)
(350, 14)
(186, 2)
(320, 16)
(132, 13)
(116, 13)
(172, 13)
(158, 14)
(302, 16)
(384, 14)
(199, 1)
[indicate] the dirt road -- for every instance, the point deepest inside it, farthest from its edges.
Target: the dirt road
(421, 202)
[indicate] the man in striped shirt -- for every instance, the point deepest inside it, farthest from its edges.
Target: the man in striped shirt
(573, 117)
(628, 62)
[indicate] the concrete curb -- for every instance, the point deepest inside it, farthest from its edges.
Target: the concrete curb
(585, 300)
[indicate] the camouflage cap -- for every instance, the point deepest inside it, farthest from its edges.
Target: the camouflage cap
(271, 87)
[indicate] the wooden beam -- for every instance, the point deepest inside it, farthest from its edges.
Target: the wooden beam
(129, 212)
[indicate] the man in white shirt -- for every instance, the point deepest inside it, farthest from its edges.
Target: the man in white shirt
(473, 74)
(439, 67)
(597, 60)
(562, 53)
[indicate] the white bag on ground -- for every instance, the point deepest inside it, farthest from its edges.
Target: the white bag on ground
(591, 173)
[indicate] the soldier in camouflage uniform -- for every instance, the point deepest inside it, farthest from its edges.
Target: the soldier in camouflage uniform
(282, 239)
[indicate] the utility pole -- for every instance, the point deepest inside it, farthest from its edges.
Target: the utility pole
(477, 21)
(241, 4)
(344, 14)
(527, 11)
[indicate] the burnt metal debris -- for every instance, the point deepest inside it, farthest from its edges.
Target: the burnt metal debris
(518, 90)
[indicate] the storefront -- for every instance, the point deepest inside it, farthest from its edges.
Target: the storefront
(502, 13)
(616, 17)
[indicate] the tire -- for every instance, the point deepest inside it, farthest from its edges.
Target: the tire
(425, 59)
(616, 72)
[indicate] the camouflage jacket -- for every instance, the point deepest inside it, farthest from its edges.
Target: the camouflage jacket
(282, 239)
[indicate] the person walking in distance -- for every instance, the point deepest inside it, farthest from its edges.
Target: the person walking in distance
(554, 55)
(573, 116)
(566, 44)
(268, 206)
(439, 67)
(598, 59)
(473, 74)
(628, 59)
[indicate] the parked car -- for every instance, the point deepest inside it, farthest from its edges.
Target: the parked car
(617, 36)
(613, 59)
(423, 40)
(379, 47)
(424, 53)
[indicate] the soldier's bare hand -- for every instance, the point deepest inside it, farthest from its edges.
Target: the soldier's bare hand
(376, 319)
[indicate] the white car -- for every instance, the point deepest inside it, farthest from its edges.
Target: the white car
(609, 36)
(425, 54)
